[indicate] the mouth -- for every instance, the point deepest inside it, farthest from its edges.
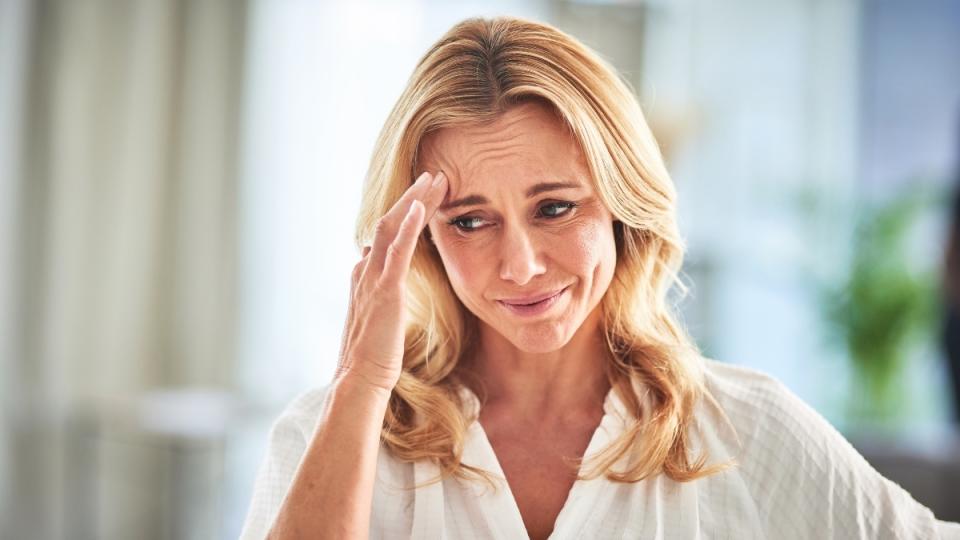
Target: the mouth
(532, 299)
(533, 305)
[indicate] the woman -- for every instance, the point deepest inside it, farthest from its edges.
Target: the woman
(508, 321)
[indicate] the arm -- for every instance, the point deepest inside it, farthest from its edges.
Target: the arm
(331, 493)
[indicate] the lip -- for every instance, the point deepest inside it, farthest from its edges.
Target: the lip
(533, 305)
(531, 299)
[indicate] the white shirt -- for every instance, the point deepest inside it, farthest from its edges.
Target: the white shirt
(796, 477)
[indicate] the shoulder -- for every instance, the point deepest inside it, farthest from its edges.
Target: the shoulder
(772, 423)
(804, 476)
(310, 402)
(753, 399)
(735, 383)
(300, 416)
(760, 420)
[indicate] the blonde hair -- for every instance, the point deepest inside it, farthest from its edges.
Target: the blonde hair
(475, 72)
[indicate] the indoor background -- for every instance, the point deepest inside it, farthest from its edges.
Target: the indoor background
(179, 181)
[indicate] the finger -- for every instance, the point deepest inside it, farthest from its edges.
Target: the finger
(356, 275)
(348, 322)
(344, 342)
(435, 197)
(354, 281)
(401, 250)
(388, 224)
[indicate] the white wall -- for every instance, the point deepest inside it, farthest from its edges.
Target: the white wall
(771, 92)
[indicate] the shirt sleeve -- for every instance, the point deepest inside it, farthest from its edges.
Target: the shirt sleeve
(286, 447)
(809, 482)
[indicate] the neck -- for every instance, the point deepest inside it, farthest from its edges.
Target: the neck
(529, 385)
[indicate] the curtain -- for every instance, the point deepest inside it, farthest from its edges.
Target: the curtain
(121, 256)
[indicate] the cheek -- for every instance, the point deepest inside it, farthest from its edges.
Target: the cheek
(588, 245)
(463, 263)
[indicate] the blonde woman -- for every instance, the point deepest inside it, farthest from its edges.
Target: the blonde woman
(510, 366)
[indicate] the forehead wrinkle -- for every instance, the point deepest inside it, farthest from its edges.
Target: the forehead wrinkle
(508, 130)
(497, 169)
(492, 157)
(474, 158)
(469, 154)
(522, 114)
(477, 151)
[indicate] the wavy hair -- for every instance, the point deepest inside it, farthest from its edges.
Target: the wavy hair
(475, 72)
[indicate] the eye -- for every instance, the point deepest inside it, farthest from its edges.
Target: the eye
(549, 210)
(556, 209)
(466, 223)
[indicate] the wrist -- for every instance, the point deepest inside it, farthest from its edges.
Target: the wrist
(354, 382)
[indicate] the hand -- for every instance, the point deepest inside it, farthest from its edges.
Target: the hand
(372, 347)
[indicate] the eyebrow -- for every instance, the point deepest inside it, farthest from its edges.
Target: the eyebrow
(533, 191)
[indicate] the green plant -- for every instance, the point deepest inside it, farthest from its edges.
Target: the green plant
(884, 306)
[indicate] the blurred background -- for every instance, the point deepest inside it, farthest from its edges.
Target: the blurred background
(179, 180)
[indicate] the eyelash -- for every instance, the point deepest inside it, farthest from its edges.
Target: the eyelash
(457, 222)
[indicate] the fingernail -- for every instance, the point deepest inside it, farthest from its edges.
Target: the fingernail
(438, 179)
(421, 177)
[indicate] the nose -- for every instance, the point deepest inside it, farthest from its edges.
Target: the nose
(519, 260)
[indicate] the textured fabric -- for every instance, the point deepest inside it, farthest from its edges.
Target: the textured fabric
(795, 477)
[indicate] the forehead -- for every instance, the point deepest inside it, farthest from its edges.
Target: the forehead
(527, 143)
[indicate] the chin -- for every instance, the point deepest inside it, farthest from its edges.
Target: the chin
(539, 338)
